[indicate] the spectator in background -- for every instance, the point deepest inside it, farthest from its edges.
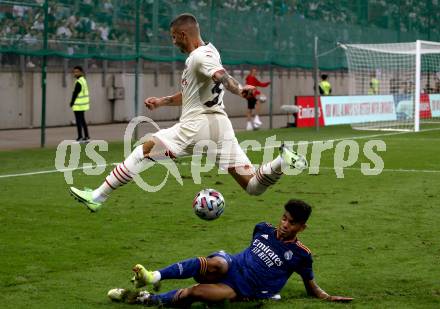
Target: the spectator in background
(409, 86)
(31, 38)
(395, 83)
(108, 6)
(63, 31)
(6, 28)
(80, 103)
(428, 89)
(104, 31)
(254, 100)
(19, 10)
(60, 12)
(374, 85)
(437, 83)
(38, 23)
(325, 88)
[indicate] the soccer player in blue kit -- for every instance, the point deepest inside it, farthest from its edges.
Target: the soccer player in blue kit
(258, 272)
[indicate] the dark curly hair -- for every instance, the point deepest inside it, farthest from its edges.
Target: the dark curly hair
(299, 210)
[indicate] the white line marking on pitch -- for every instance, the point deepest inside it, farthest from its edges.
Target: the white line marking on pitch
(353, 138)
(398, 170)
(311, 142)
(55, 171)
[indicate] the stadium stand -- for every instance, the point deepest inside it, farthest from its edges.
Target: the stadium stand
(107, 29)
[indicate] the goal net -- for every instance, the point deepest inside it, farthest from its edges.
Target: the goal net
(397, 85)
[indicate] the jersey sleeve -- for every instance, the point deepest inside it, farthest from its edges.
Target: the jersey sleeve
(208, 63)
(261, 228)
(305, 270)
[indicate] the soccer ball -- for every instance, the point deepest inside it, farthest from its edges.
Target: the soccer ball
(209, 204)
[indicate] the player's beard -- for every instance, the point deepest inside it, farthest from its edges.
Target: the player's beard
(181, 47)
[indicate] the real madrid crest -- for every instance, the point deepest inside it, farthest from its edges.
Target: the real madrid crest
(288, 255)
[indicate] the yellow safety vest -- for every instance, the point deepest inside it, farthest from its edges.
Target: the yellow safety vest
(82, 101)
(374, 86)
(326, 87)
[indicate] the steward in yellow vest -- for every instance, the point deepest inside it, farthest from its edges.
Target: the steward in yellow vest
(374, 86)
(80, 103)
(325, 88)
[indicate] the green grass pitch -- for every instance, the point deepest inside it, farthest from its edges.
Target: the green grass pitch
(375, 238)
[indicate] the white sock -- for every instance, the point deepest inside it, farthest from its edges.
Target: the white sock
(267, 175)
(257, 118)
(277, 164)
(122, 174)
(156, 276)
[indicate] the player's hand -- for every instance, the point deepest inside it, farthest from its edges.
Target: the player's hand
(152, 103)
(341, 299)
(247, 91)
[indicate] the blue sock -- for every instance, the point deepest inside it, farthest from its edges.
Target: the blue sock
(166, 299)
(185, 269)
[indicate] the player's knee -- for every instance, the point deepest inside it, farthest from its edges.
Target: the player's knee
(217, 265)
(147, 147)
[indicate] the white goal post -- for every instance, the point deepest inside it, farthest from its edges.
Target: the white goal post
(407, 74)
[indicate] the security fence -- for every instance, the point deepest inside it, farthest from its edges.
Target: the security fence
(131, 37)
(277, 32)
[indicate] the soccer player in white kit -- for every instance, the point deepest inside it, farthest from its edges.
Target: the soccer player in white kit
(203, 119)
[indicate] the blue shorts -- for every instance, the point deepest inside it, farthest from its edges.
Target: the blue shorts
(236, 279)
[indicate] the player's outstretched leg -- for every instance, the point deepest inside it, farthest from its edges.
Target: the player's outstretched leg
(186, 296)
(122, 174)
(268, 174)
(181, 270)
(202, 269)
(147, 299)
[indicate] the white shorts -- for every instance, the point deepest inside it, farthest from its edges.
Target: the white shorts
(207, 132)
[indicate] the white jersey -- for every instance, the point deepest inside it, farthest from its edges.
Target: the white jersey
(200, 94)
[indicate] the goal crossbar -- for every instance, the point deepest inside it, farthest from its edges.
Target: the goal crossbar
(404, 48)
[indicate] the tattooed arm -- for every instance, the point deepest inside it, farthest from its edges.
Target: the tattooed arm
(232, 84)
(171, 100)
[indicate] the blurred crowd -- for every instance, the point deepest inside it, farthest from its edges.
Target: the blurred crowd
(86, 20)
(104, 21)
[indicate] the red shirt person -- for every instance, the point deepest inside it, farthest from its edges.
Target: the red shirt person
(254, 100)
(252, 80)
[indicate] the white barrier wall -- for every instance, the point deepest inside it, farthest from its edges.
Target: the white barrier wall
(20, 106)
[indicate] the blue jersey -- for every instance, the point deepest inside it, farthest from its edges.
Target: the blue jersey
(264, 267)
